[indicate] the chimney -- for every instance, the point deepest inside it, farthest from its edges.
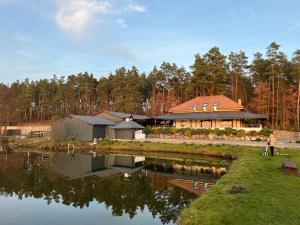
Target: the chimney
(240, 102)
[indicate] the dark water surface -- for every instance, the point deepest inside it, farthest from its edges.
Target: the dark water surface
(63, 189)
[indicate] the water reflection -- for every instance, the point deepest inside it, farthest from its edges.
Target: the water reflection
(127, 185)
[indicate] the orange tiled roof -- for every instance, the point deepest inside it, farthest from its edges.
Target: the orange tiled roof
(224, 104)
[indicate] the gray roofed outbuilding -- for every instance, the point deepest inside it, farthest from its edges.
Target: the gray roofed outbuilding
(124, 130)
(128, 125)
(79, 127)
(93, 120)
(127, 115)
(211, 116)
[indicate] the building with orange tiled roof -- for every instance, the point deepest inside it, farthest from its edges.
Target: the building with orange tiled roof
(216, 111)
(208, 104)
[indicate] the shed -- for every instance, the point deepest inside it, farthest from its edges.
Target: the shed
(81, 128)
(120, 116)
(124, 130)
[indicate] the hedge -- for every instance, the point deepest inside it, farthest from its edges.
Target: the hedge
(189, 132)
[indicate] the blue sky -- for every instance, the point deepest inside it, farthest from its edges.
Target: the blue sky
(42, 38)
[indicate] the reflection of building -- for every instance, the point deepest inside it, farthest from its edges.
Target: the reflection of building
(212, 112)
(192, 178)
(193, 170)
(81, 165)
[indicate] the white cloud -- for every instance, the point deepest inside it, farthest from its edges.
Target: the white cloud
(75, 16)
(122, 23)
(136, 7)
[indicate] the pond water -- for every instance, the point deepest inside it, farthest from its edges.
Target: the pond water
(60, 188)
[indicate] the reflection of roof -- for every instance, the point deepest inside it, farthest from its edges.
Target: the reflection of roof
(71, 166)
(189, 186)
(127, 115)
(83, 165)
(224, 104)
(128, 125)
(211, 116)
(93, 120)
(195, 187)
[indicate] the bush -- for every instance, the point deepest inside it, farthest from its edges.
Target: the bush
(187, 133)
(201, 131)
(173, 131)
(229, 131)
(165, 130)
(217, 131)
(240, 134)
(265, 132)
(156, 130)
(252, 133)
(148, 130)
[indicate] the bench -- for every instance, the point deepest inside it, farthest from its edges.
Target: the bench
(289, 167)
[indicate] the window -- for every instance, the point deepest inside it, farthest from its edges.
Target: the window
(215, 106)
(226, 123)
(182, 123)
(204, 107)
(191, 123)
(195, 107)
(206, 124)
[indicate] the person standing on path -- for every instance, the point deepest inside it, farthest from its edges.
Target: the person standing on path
(272, 142)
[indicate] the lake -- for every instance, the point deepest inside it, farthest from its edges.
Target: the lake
(71, 189)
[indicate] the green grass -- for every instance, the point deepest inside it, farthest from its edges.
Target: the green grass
(270, 197)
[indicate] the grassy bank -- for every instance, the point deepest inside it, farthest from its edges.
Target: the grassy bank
(267, 195)
(255, 191)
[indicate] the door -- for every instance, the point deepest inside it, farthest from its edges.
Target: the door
(125, 134)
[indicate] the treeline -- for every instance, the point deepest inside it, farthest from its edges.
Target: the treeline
(268, 85)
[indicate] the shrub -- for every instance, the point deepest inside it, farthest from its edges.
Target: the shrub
(240, 134)
(187, 133)
(229, 131)
(156, 130)
(194, 131)
(165, 130)
(252, 133)
(265, 132)
(148, 130)
(202, 131)
(217, 131)
(173, 131)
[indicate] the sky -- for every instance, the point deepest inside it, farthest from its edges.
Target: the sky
(41, 38)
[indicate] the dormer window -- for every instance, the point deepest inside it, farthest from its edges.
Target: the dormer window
(204, 107)
(195, 107)
(130, 118)
(215, 106)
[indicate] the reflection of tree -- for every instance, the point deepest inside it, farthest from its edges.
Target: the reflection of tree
(121, 195)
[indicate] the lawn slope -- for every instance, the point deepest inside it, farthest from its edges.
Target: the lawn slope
(268, 197)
